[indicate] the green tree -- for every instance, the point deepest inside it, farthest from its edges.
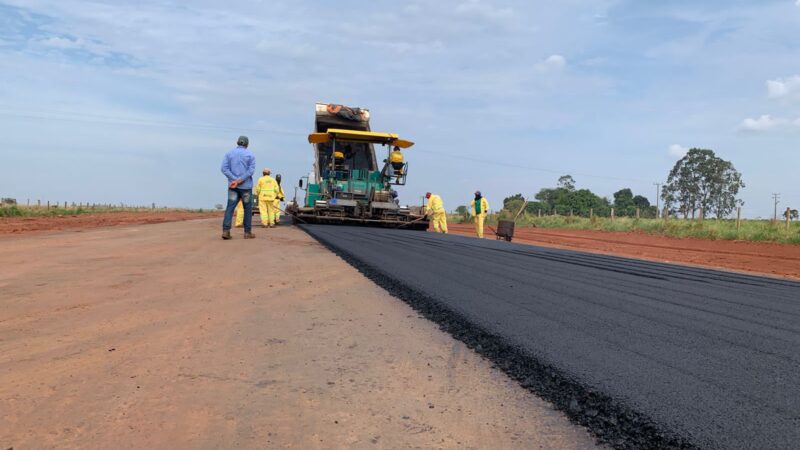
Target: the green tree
(462, 210)
(566, 182)
(535, 207)
(641, 202)
(725, 185)
(565, 199)
(623, 202)
(547, 197)
(513, 203)
(702, 180)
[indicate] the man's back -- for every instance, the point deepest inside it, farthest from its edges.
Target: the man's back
(239, 164)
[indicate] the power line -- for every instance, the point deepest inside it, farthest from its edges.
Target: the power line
(105, 119)
(111, 120)
(538, 169)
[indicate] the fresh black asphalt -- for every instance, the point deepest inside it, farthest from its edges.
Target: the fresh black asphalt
(646, 355)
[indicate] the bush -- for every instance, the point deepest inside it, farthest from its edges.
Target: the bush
(11, 211)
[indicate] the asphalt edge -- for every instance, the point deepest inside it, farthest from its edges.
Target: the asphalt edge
(609, 421)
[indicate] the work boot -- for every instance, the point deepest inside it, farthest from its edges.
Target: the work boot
(226, 235)
(249, 236)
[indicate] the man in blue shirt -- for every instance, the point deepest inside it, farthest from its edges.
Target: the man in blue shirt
(238, 166)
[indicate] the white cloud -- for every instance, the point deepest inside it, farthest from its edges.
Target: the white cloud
(678, 151)
(765, 122)
(553, 63)
(61, 43)
(784, 87)
(484, 10)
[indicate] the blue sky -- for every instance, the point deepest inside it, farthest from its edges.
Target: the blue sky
(136, 101)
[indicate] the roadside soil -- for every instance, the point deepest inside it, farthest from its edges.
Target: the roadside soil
(18, 225)
(765, 258)
(165, 336)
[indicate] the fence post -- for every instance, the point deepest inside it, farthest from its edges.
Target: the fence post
(637, 213)
(570, 212)
(701, 215)
(612, 214)
(38, 203)
(738, 218)
(591, 213)
(48, 204)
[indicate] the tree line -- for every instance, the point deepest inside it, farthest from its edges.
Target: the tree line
(565, 199)
(700, 181)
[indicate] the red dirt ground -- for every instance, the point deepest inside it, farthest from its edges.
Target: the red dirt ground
(758, 257)
(17, 225)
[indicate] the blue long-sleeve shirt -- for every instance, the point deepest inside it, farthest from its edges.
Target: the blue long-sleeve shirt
(239, 164)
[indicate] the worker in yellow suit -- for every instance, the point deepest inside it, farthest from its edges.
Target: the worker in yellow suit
(278, 200)
(239, 215)
(478, 208)
(267, 191)
(437, 213)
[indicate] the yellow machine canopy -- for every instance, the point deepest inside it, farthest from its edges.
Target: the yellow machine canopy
(371, 137)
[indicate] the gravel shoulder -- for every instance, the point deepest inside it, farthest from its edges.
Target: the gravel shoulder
(165, 336)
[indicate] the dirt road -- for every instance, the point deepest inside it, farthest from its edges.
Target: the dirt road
(756, 257)
(80, 222)
(165, 336)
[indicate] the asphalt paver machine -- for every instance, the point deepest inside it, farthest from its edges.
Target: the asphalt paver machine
(348, 184)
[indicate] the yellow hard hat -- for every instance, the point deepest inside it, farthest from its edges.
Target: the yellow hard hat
(338, 155)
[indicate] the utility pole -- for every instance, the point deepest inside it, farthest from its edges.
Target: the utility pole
(658, 194)
(776, 197)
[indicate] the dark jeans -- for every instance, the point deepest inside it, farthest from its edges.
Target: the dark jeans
(234, 195)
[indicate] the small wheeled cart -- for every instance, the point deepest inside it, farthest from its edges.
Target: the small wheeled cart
(505, 230)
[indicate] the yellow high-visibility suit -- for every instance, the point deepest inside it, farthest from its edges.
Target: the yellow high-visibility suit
(239, 215)
(478, 210)
(437, 213)
(277, 204)
(267, 192)
(396, 159)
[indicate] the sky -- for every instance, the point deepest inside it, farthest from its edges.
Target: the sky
(137, 101)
